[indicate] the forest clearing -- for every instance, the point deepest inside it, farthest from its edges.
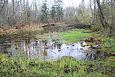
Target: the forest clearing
(57, 38)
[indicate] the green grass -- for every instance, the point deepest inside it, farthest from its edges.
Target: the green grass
(23, 67)
(108, 44)
(74, 35)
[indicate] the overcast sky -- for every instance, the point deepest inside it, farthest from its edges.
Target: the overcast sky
(66, 3)
(71, 2)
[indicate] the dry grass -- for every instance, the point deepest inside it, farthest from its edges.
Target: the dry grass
(26, 32)
(29, 28)
(13, 30)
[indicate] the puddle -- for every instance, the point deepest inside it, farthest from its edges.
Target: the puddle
(50, 50)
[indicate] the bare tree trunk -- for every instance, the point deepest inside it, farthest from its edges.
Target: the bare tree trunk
(3, 12)
(112, 27)
(13, 15)
(101, 15)
(94, 15)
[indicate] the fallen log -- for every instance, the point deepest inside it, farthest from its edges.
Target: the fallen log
(113, 54)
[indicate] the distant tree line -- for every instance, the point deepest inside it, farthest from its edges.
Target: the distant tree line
(104, 16)
(55, 14)
(24, 12)
(98, 13)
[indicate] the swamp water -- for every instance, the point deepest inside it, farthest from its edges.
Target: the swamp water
(50, 49)
(53, 50)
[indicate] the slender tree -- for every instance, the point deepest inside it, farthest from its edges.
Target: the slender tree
(59, 9)
(53, 13)
(101, 15)
(44, 12)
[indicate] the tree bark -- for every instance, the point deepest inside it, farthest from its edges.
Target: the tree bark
(101, 15)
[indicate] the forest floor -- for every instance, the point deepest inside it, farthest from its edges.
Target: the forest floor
(67, 66)
(12, 33)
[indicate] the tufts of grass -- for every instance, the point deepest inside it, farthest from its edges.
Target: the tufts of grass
(107, 44)
(25, 67)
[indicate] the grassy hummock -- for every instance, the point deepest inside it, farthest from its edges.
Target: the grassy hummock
(75, 35)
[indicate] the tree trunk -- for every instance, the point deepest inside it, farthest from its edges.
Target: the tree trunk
(101, 15)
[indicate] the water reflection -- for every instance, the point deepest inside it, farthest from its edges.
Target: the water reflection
(48, 49)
